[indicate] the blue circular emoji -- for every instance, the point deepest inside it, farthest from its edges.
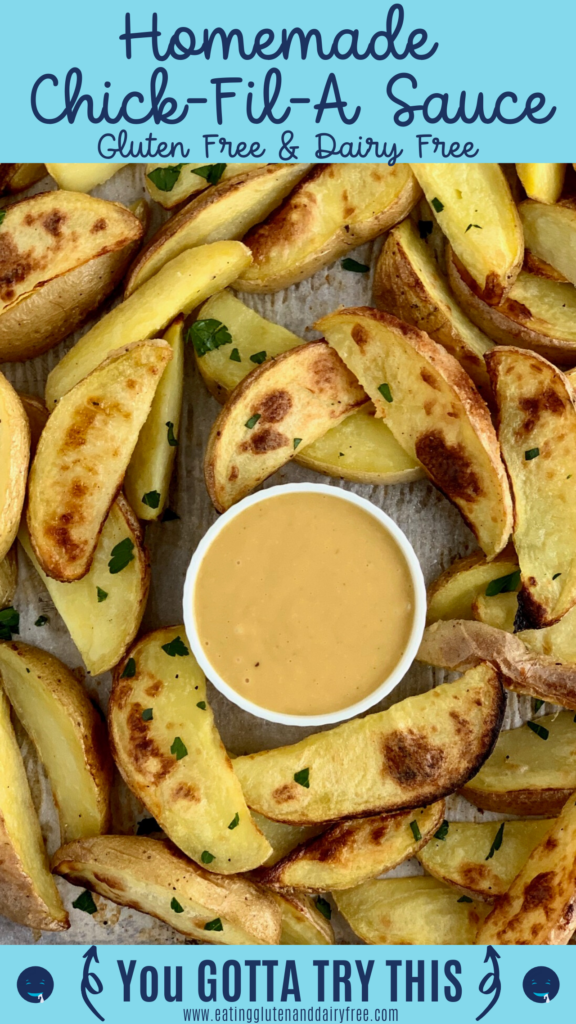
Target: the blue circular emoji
(35, 984)
(541, 984)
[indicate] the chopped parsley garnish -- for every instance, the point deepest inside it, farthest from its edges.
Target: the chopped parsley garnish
(172, 440)
(354, 266)
(208, 335)
(464, 899)
(556, 575)
(151, 499)
(297, 441)
(214, 926)
(101, 594)
(121, 556)
(180, 750)
(324, 907)
(164, 178)
(438, 206)
(9, 623)
(497, 842)
(2, 215)
(176, 648)
(175, 906)
(202, 705)
(129, 670)
(258, 357)
(442, 831)
(303, 778)
(384, 390)
(168, 516)
(235, 821)
(532, 453)
(211, 172)
(42, 620)
(479, 226)
(504, 584)
(539, 730)
(425, 227)
(235, 356)
(148, 714)
(85, 902)
(415, 831)
(147, 826)
(207, 857)
(252, 421)
(537, 705)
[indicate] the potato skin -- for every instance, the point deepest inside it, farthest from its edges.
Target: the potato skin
(14, 459)
(8, 577)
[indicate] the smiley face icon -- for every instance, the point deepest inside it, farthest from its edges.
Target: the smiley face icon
(541, 984)
(35, 984)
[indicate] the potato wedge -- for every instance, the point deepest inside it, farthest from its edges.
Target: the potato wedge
(302, 923)
(408, 283)
(410, 912)
(537, 433)
(103, 611)
(178, 187)
(68, 734)
(283, 838)
(19, 177)
(83, 454)
(351, 852)
(537, 314)
(37, 414)
(543, 182)
(434, 412)
(226, 211)
(28, 893)
(463, 858)
(452, 595)
(180, 286)
(151, 875)
(148, 475)
(300, 394)
(499, 611)
(8, 577)
(360, 449)
(527, 774)
(173, 758)
(412, 754)
(334, 209)
(550, 234)
(14, 457)
(538, 909)
(474, 207)
(82, 177)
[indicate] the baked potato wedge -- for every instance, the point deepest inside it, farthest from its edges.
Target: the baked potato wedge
(537, 433)
(434, 412)
(527, 772)
(14, 457)
(302, 923)
(412, 911)
(482, 859)
(410, 755)
(148, 475)
(83, 455)
(28, 893)
(278, 408)
(334, 209)
(153, 876)
(499, 610)
(408, 283)
(76, 250)
(538, 909)
(82, 177)
(542, 182)
(474, 207)
(68, 734)
(550, 233)
(103, 611)
(453, 594)
(180, 286)
(8, 577)
(19, 177)
(283, 838)
(183, 180)
(351, 852)
(226, 211)
(168, 750)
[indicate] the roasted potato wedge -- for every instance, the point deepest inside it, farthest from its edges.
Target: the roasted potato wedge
(538, 909)
(543, 182)
(148, 475)
(434, 412)
(151, 875)
(302, 923)
(300, 394)
(226, 211)
(475, 209)
(103, 610)
(550, 233)
(412, 754)
(77, 248)
(14, 457)
(28, 893)
(452, 595)
(334, 209)
(410, 912)
(557, 641)
(283, 838)
(19, 177)
(8, 577)
(537, 314)
(82, 177)
(183, 180)
(408, 283)
(351, 852)
(499, 611)
(528, 774)
(168, 749)
(83, 454)
(180, 286)
(537, 433)
(469, 858)
(68, 734)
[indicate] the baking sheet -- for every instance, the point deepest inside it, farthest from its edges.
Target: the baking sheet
(434, 527)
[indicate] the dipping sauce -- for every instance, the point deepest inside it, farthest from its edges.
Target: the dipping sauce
(304, 603)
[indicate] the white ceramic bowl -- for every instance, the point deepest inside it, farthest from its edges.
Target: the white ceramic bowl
(392, 679)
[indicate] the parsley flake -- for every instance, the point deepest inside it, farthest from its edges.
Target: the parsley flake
(164, 178)
(556, 575)
(438, 206)
(504, 584)
(537, 705)
(129, 670)
(384, 390)
(303, 778)
(172, 439)
(479, 226)
(176, 648)
(532, 453)
(324, 907)
(442, 831)
(151, 499)
(497, 842)
(42, 620)
(211, 172)
(354, 266)
(101, 594)
(252, 421)
(147, 826)
(178, 748)
(168, 516)
(258, 357)
(202, 705)
(85, 902)
(464, 899)
(175, 906)
(539, 730)
(214, 926)
(208, 335)
(121, 556)
(9, 623)
(297, 441)
(415, 831)
(2, 215)
(235, 356)
(425, 227)
(207, 857)
(148, 714)
(235, 821)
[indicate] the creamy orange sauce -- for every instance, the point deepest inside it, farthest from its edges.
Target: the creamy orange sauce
(304, 603)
